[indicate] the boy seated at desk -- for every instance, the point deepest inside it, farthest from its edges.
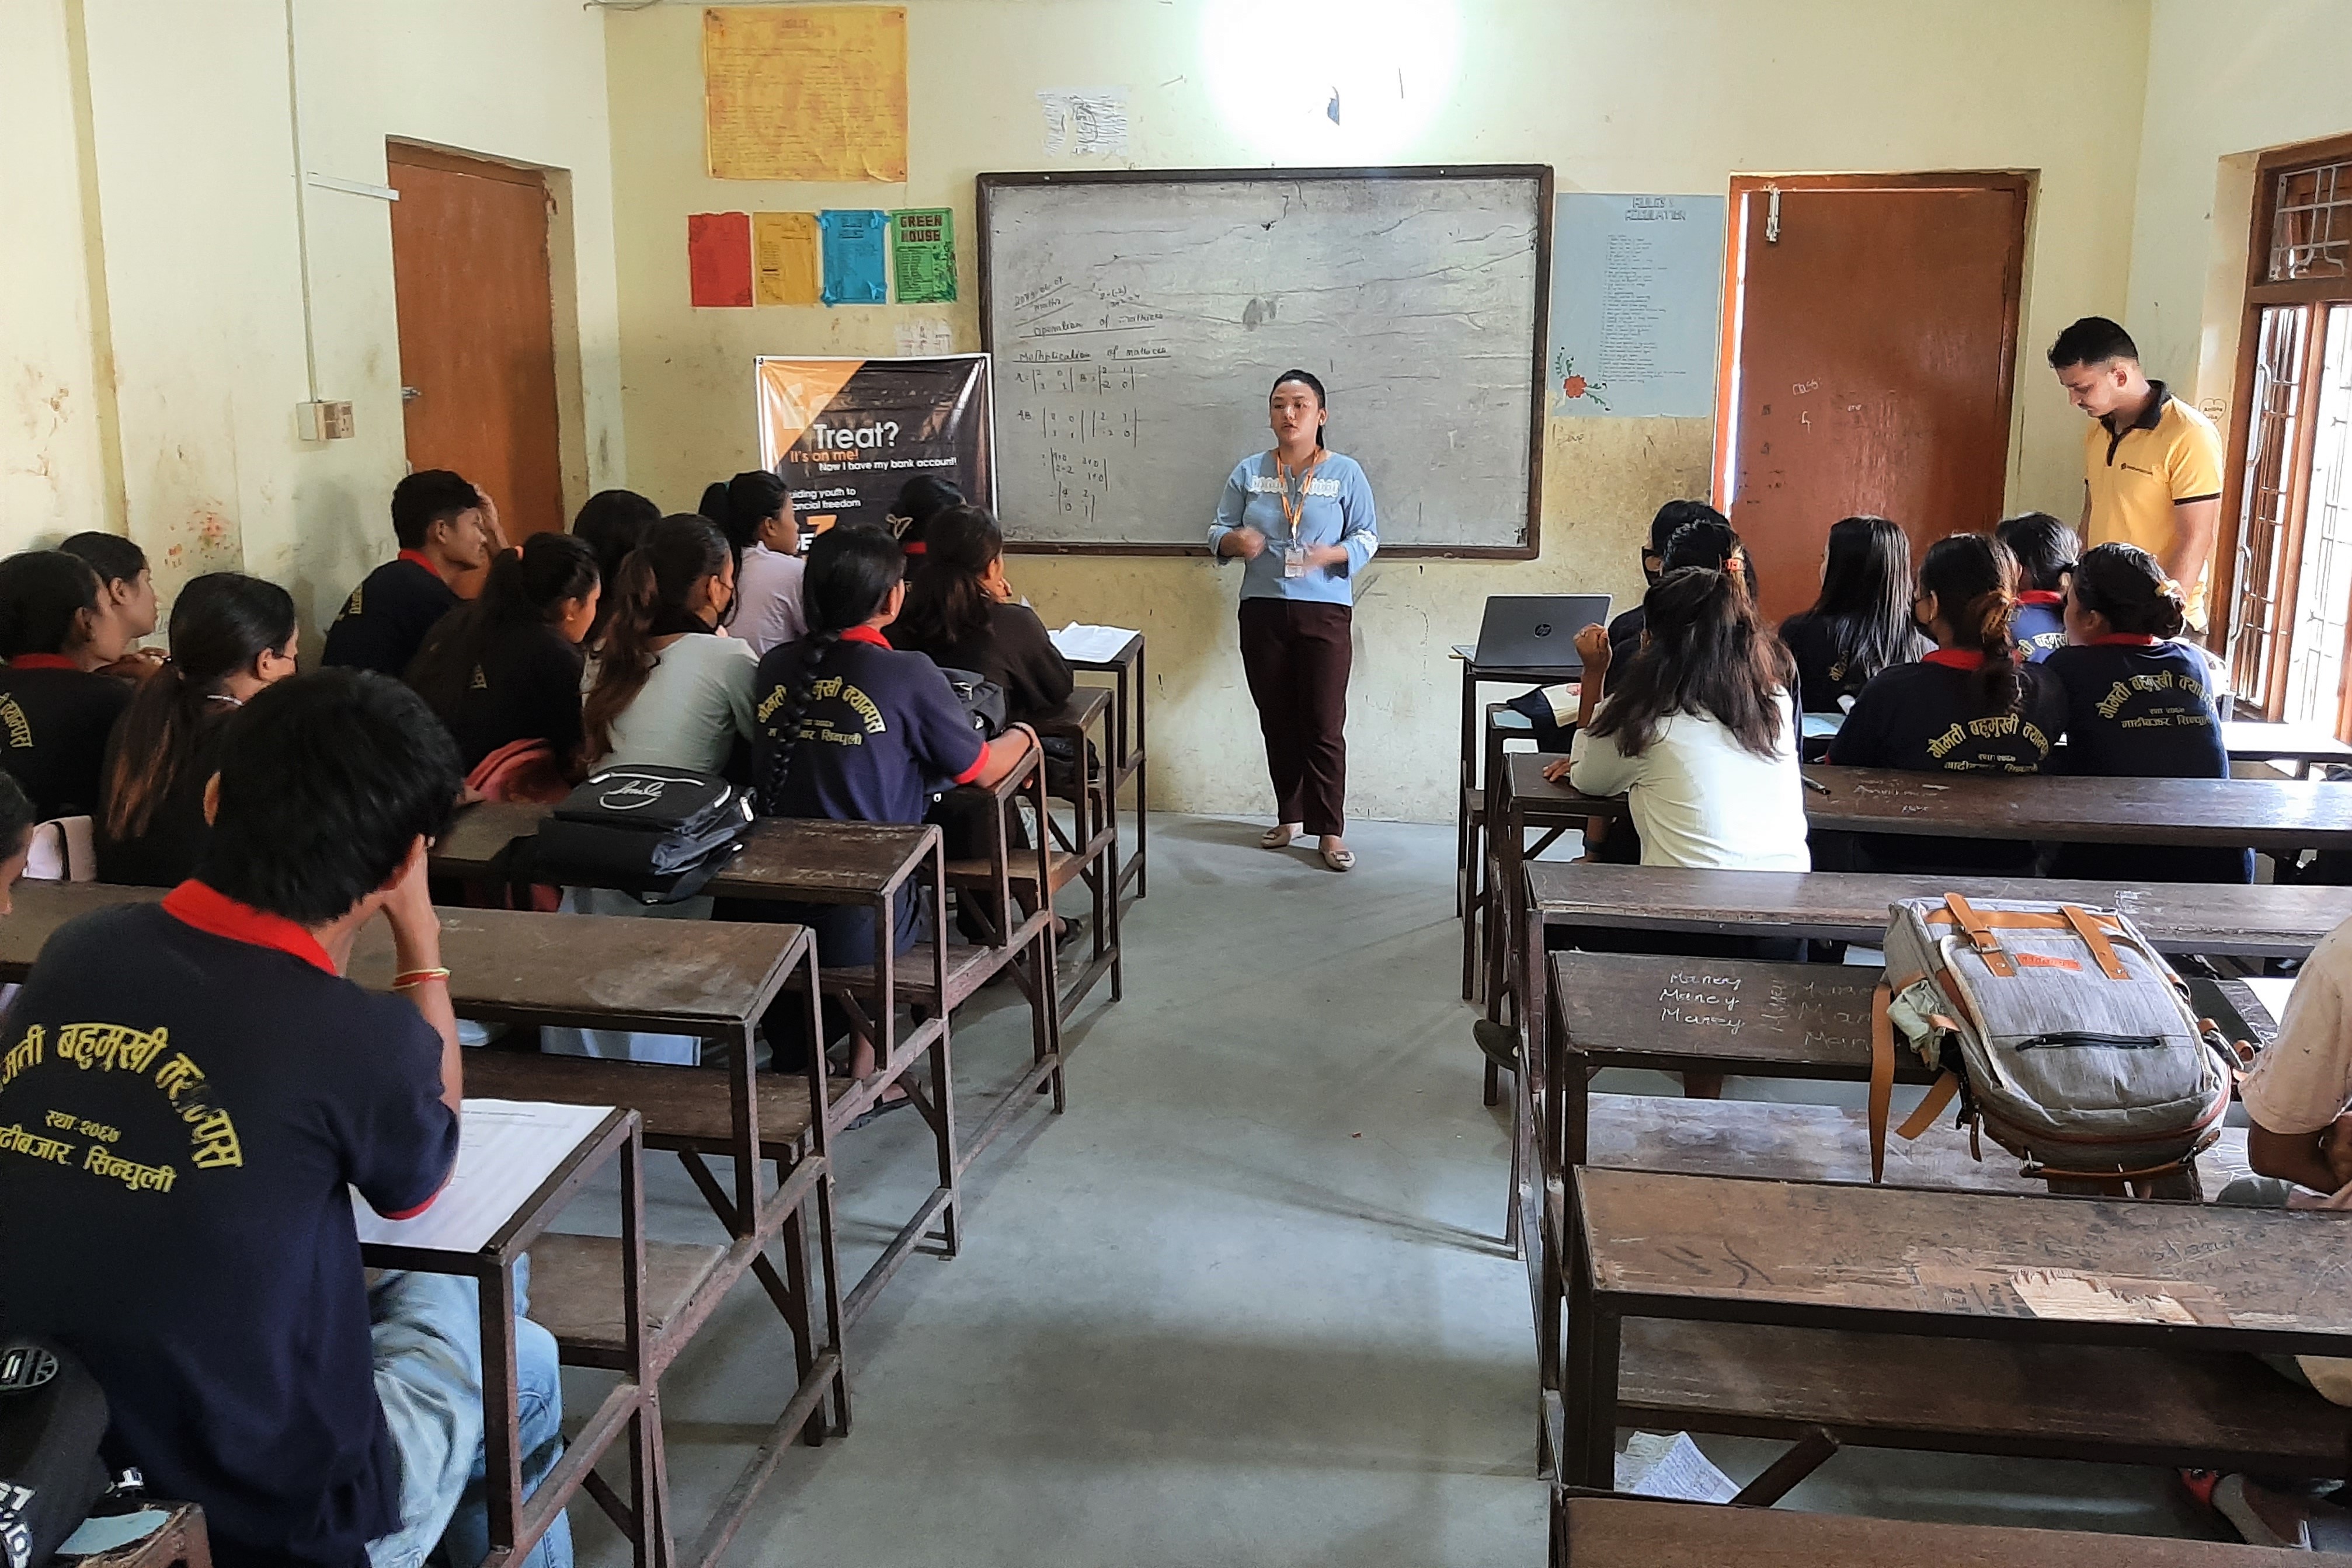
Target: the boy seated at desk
(189, 1092)
(2298, 1103)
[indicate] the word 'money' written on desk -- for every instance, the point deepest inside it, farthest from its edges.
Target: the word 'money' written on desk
(1699, 998)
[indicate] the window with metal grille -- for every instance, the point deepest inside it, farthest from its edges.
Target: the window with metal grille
(2285, 588)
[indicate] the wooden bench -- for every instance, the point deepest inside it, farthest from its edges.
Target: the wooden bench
(1600, 1531)
(1088, 850)
(2086, 1328)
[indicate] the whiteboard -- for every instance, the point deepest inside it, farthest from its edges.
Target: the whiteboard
(1138, 321)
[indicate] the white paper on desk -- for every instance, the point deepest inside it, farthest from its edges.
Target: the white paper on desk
(1668, 1464)
(2272, 990)
(506, 1148)
(1090, 644)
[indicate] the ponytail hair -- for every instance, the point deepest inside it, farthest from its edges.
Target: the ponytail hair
(945, 602)
(738, 506)
(850, 573)
(222, 625)
(2125, 584)
(650, 597)
(1307, 379)
(1974, 579)
(1707, 655)
(43, 596)
(527, 587)
(921, 500)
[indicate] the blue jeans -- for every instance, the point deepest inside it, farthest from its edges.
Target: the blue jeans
(426, 1329)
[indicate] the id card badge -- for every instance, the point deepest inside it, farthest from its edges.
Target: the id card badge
(1294, 560)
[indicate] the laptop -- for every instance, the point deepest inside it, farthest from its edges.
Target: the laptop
(1537, 630)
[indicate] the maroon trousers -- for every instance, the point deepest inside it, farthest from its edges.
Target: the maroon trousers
(1296, 655)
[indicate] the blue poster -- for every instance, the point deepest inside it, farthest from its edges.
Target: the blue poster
(857, 256)
(1637, 287)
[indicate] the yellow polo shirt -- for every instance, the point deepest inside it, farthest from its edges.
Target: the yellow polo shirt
(2171, 453)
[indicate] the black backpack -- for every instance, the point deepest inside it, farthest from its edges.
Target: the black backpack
(52, 1418)
(657, 832)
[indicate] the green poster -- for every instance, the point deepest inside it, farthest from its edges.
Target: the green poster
(922, 251)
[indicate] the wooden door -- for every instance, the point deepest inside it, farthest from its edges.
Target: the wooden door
(1870, 352)
(469, 276)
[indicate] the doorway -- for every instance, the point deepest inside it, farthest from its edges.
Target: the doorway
(1869, 357)
(476, 319)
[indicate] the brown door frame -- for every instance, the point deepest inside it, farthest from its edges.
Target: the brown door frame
(1735, 230)
(2262, 294)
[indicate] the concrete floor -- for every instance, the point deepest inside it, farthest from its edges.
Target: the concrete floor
(1245, 1302)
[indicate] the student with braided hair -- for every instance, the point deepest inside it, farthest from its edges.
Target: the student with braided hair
(854, 730)
(1973, 705)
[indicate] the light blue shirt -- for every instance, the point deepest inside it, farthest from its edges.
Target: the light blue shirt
(1338, 510)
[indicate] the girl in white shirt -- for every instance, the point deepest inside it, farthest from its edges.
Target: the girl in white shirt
(671, 690)
(1699, 732)
(754, 510)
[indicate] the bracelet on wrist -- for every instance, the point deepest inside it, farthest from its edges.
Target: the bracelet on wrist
(410, 977)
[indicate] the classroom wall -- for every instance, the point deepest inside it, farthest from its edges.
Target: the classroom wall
(2227, 79)
(1669, 96)
(154, 354)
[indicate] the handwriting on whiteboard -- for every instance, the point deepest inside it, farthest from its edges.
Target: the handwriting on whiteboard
(1080, 357)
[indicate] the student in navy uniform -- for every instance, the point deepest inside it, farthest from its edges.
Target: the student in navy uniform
(613, 522)
(854, 730)
(2137, 707)
(921, 500)
(447, 530)
(17, 822)
(2045, 550)
(127, 595)
(1972, 705)
(232, 635)
(201, 1092)
(1625, 631)
(507, 666)
(961, 613)
(57, 707)
(1862, 622)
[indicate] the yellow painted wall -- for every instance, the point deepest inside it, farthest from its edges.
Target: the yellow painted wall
(153, 355)
(2227, 79)
(1665, 95)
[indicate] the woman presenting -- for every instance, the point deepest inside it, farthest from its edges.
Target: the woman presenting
(1301, 519)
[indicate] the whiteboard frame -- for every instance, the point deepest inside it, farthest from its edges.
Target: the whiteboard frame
(986, 185)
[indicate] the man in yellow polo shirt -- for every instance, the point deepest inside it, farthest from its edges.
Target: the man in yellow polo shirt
(2152, 465)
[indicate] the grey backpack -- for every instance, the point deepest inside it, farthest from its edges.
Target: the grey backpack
(2066, 1038)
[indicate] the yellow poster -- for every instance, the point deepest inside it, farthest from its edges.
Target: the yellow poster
(783, 258)
(805, 92)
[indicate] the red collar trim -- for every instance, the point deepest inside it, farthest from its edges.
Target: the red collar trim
(917, 546)
(2125, 640)
(866, 634)
(44, 662)
(2045, 596)
(1957, 658)
(217, 915)
(418, 557)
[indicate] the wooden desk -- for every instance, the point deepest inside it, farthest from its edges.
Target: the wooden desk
(1474, 674)
(2296, 745)
(1129, 759)
(180, 1541)
(1590, 1531)
(1882, 1260)
(516, 1524)
(2276, 814)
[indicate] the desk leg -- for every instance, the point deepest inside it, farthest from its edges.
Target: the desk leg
(1597, 1438)
(501, 1416)
(1467, 771)
(1143, 775)
(1508, 897)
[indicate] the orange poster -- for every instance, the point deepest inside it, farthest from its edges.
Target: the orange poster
(805, 92)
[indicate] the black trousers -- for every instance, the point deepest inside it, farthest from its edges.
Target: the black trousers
(1296, 655)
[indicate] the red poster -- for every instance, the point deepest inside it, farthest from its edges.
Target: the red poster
(718, 257)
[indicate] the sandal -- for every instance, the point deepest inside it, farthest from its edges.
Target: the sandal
(1339, 859)
(882, 1108)
(1277, 837)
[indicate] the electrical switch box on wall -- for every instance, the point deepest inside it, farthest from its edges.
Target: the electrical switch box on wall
(325, 421)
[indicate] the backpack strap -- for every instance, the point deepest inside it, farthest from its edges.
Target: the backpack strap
(1988, 945)
(1940, 1094)
(1882, 1076)
(2095, 939)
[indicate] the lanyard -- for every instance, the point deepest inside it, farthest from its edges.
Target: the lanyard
(1293, 505)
